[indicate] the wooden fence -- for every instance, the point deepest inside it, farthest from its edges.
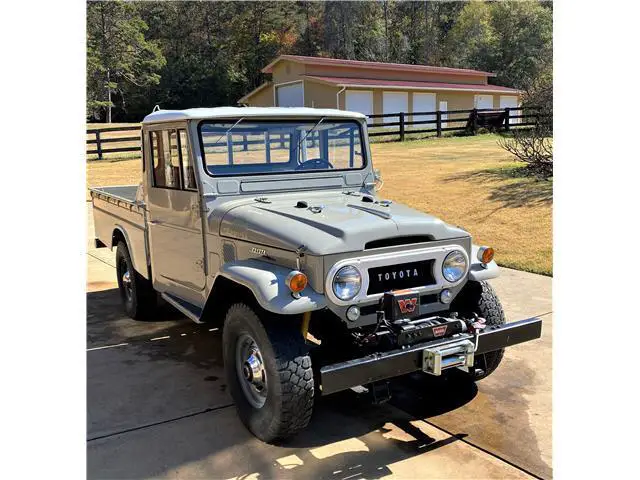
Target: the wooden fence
(435, 123)
(397, 126)
(101, 144)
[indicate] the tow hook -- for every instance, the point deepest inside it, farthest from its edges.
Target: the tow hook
(376, 392)
(475, 326)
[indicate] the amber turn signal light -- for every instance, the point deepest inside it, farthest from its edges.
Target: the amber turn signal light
(485, 254)
(296, 281)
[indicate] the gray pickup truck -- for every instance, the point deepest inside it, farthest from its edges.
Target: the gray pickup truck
(266, 222)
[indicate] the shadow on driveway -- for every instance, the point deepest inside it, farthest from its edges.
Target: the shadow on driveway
(159, 406)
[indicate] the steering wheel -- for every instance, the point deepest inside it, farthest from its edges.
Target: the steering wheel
(315, 164)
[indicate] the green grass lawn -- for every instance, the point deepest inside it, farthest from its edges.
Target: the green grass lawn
(467, 181)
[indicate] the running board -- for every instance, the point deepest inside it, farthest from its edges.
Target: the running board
(190, 310)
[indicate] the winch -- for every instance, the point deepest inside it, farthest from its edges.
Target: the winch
(396, 311)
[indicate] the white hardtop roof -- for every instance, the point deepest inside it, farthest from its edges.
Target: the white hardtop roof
(239, 112)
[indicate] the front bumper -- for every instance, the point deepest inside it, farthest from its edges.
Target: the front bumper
(379, 366)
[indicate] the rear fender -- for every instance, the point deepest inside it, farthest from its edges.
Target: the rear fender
(267, 283)
(139, 265)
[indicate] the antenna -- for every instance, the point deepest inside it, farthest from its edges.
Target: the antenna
(156, 109)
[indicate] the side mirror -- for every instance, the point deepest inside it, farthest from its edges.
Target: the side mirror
(377, 178)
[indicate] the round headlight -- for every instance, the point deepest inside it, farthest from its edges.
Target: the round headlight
(347, 282)
(454, 266)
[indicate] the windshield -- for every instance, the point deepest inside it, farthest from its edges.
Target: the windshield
(249, 147)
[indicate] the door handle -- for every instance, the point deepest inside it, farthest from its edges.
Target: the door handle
(155, 222)
(195, 208)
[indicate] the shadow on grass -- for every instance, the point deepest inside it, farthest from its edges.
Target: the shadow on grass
(97, 161)
(512, 186)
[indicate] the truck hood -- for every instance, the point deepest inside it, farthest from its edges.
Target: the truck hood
(332, 223)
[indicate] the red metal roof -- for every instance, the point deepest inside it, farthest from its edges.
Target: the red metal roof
(371, 65)
(372, 82)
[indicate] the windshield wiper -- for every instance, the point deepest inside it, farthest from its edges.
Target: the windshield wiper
(228, 130)
(307, 134)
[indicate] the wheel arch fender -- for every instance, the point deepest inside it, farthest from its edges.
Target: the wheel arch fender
(267, 284)
(120, 234)
(479, 271)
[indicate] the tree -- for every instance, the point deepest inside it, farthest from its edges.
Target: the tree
(534, 146)
(312, 33)
(354, 30)
(338, 27)
(117, 55)
(512, 39)
(215, 51)
(471, 41)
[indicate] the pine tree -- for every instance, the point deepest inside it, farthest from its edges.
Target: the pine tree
(117, 54)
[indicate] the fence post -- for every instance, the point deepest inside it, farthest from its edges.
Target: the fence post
(267, 145)
(98, 145)
(230, 148)
(506, 118)
(439, 123)
(474, 124)
(401, 126)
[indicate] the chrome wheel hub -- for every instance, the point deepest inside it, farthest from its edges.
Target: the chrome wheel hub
(251, 371)
(126, 284)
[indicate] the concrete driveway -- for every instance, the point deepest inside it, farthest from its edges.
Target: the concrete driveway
(158, 405)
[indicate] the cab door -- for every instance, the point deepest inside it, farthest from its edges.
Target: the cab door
(174, 214)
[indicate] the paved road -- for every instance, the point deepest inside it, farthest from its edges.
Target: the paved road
(158, 406)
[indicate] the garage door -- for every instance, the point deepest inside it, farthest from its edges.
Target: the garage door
(424, 102)
(359, 101)
(510, 101)
(483, 101)
(290, 95)
(394, 102)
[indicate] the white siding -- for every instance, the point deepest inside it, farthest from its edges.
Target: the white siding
(443, 107)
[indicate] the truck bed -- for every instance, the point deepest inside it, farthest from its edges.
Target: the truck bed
(117, 216)
(124, 192)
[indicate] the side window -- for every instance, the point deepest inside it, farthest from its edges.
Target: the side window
(158, 159)
(172, 157)
(187, 166)
(166, 159)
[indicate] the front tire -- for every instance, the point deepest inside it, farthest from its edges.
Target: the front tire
(480, 298)
(269, 373)
(139, 299)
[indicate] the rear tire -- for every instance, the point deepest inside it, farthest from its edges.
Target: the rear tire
(269, 373)
(139, 299)
(480, 298)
